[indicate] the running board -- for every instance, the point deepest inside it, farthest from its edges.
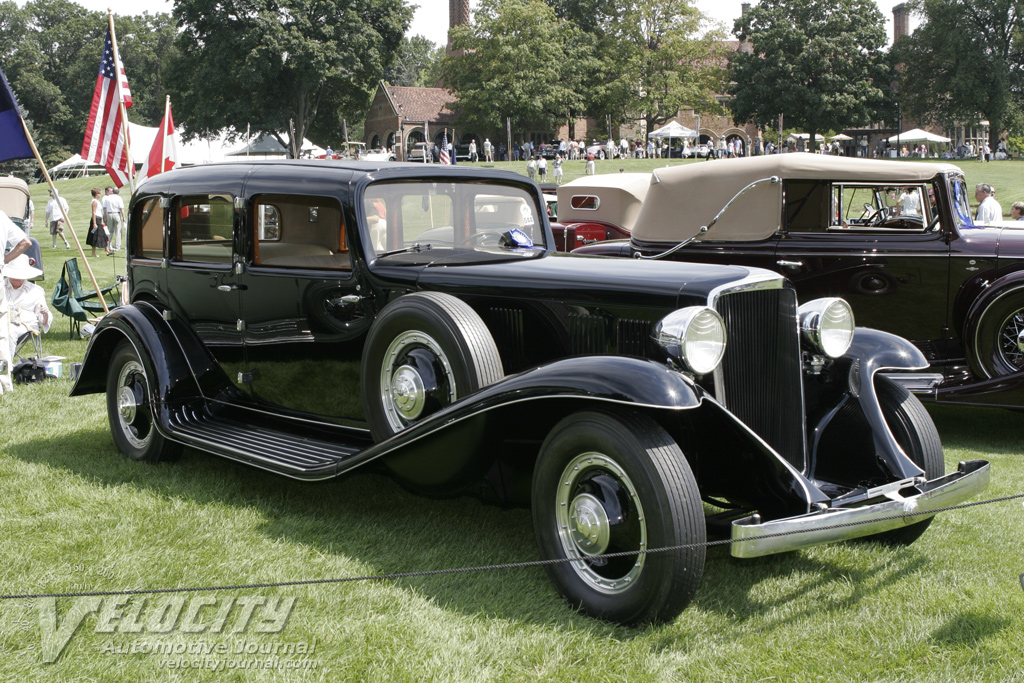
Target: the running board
(279, 452)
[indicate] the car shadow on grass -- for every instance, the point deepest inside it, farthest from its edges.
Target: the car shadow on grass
(367, 517)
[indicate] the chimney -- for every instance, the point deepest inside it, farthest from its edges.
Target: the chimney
(744, 8)
(900, 21)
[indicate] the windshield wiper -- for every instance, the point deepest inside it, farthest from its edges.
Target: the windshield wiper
(413, 247)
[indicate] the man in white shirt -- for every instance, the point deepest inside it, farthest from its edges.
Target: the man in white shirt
(56, 208)
(13, 243)
(113, 209)
(989, 210)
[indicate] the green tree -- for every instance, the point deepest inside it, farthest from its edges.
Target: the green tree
(51, 51)
(964, 63)
(667, 61)
(415, 56)
(275, 63)
(818, 62)
(515, 59)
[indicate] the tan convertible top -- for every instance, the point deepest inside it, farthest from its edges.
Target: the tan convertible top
(619, 196)
(683, 198)
(13, 196)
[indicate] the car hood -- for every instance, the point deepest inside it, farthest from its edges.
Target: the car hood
(569, 277)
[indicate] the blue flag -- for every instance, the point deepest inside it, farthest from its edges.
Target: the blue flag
(13, 143)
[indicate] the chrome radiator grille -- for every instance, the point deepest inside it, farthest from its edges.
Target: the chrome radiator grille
(760, 379)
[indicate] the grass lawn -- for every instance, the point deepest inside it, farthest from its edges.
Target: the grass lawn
(76, 516)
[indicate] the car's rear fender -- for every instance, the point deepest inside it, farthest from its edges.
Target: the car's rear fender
(179, 367)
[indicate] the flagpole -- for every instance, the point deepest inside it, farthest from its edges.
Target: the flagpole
(120, 103)
(63, 211)
(163, 133)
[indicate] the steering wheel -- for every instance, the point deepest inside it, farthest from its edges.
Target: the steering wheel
(878, 217)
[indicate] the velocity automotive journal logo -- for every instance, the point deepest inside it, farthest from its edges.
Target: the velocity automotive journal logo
(157, 619)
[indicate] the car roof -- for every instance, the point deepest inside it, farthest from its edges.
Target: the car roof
(13, 196)
(621, 195)
(683, 198)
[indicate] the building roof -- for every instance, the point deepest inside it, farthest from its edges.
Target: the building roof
(421, 104)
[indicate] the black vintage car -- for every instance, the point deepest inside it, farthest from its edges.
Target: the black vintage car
(896, 239)
(308, 320)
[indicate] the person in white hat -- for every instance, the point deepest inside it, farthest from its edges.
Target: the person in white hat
(26, 300)
(13, 243)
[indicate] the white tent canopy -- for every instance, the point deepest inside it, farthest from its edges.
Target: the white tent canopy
(842, 137)
(818, 137)
(192, 153)
(673, 129)
(917, 135)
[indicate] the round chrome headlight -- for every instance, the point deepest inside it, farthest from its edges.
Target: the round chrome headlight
(827, 325)
(694, 336)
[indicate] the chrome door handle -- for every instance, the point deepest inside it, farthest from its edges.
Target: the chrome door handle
(229, 288)
(790, 264)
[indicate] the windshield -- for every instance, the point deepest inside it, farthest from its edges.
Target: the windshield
(961, 203)
(417, 214)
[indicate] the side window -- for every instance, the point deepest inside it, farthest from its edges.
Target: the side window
(148, 225)
(808, 204)
(299, 232)
(204, 227)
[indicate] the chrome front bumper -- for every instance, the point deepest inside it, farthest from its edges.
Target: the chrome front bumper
(753, 538)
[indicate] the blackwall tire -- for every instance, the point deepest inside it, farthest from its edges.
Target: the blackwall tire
(608, 483)
(424, 351)
(130, 409)
(999, 338)
(915, 432)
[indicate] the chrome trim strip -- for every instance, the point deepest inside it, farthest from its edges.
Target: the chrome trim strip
(916, 382)
(761, 280)
(757, 539)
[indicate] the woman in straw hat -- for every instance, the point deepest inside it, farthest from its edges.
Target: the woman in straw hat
(25, 300)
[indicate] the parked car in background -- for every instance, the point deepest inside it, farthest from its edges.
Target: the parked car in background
(14, 201)
(596, 208)
(378, 155)
(697, 151)
(603, 150)
(419, 151)
(866, 231)
(308, 319)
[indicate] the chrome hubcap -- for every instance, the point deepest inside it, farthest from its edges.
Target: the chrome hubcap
(132, 411)
(588, 525)
(416, 379)
(598, 511)
(407, 392)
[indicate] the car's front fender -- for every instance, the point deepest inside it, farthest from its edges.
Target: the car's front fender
(871, 352)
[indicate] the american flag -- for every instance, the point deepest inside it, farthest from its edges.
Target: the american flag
(445, 159)
(104, 143)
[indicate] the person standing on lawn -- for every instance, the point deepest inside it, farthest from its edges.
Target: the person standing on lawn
(13, 243)
(113, 207)
(55, 218)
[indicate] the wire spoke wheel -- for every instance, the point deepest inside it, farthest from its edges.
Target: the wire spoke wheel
(1011, 340)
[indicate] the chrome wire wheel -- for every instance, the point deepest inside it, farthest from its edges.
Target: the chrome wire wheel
(1011, 340)
(133, 411)
(416, 378)
(598, 511)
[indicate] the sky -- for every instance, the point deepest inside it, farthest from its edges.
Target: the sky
(431, 18)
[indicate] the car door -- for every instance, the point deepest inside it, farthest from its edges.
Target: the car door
(202, 283)
(879, 247)
(304, 316)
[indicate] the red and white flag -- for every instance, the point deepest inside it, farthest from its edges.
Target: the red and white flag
(445, 159)
(164, 154)
(105, 143)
